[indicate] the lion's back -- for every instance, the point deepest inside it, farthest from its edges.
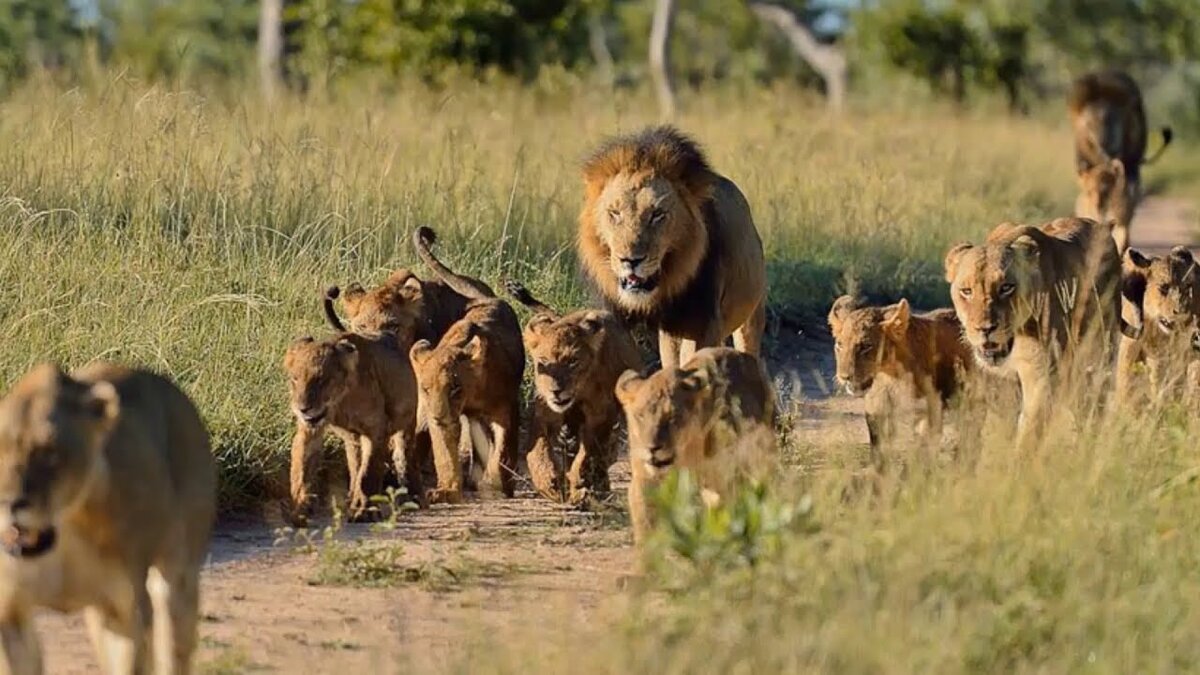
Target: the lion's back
(160, 457)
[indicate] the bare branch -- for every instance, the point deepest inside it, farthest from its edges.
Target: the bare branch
(828, 61)
(660, 62)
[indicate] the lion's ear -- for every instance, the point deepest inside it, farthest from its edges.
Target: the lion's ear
(1026, 248)
(102, 403)
(1183, 254)
(539, 323)
(952, 257)
(593, 323)
(420, 352)
(895, 319)
(840, 310)
(628, 386)
(473, 349)
(1134, 270)
(352, 297)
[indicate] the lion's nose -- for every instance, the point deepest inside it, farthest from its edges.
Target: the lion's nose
(20, 504)
(632, 263)
(987, 329)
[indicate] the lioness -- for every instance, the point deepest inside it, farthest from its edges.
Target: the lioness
(474, 371)
(577, 359)
(665, 238)
(107, 502)
(1110, 131)
(882, 349)
(715, 417)
(1163, 295)
(361, 388)
(1034, 300)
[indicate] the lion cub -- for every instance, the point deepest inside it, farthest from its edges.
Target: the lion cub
(878, 348)
(1107, 197)
(361, 388)
(1161, 294)
(107, 502)
(715, 417)
(474, 371)
(577, 359)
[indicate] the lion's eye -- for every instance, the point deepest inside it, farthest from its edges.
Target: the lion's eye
(657, 215)
(1164, 289)
(965, 292)
(864, 347)
(1007, 289)
(614, 214)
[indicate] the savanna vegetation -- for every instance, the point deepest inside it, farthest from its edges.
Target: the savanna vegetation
(155, 209)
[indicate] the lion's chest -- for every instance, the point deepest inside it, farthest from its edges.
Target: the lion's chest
(72, 576)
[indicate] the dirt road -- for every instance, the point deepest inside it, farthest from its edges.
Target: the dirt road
(520, 564)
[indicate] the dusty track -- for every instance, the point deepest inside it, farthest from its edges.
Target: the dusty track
(521, 565)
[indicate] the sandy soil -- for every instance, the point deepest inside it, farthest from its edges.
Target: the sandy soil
(487, 565)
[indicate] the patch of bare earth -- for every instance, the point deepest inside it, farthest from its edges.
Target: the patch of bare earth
(485, 567)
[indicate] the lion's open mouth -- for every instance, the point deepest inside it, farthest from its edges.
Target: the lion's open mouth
(560, 403)
(857, 388)
(632, 283)
(994, 353)
(25, 543)
(1166, 325)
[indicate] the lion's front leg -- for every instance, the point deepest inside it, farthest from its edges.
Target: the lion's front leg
(668, 350)
(19, 650)
(589, 471)
(306, 462)
(545, 473)
(444, 436)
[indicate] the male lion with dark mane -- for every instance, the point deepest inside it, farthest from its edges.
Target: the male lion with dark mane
(665, 238)
(1040, 303)
(1109, 123)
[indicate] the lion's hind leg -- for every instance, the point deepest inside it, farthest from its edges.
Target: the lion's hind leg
(748, 337)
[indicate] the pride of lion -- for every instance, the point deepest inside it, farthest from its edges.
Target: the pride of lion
(107, 480)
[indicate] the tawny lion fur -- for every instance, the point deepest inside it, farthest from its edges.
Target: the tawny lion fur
(474, 371)
(1033, 300)
(577, 360)
(1162, 294)
(107, 503)
(714, 417)
(1109, 123)
(666, 239)
(362, 389)
(880, 350)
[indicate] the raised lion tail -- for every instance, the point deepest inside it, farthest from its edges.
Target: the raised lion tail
(1167, 136)
(331, 316)
(423, 238)
(522, 295)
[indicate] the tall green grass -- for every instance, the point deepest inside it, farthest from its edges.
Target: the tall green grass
(193, 235)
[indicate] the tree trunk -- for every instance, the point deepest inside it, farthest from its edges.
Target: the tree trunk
(598, 43)
(828, 61)
(660, 62)
(270, 46)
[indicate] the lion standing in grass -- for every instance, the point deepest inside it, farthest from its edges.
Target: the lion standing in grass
(665, 238)
(1109, 123)
(1162, 294)
(715, 417)
(1033, 301)
(107, 503)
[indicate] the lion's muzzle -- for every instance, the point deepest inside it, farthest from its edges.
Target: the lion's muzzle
(28, 543)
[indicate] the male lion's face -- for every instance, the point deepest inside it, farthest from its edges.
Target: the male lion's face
(862, 340)
(1099, 189)
(396, 307)
(663, 415)
(1171, 303)
(319, 375)
(991, 287)
(641, 218)
(444, 373)
(52, 435)
(563, 352)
